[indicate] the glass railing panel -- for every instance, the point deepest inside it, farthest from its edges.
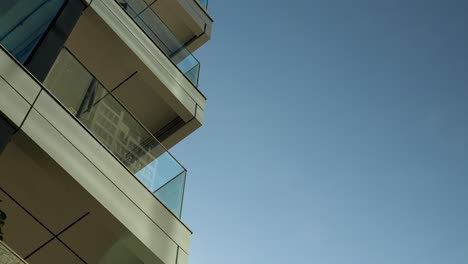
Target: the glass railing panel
(161, 35)
(204, 3)
(8, 256)
(115, 127)
(172, 193)
(24, 22)
(159, 172)
(191, 68)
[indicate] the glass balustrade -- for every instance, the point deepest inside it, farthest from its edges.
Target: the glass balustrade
(23, 24)
(117, 129)
(161, 35)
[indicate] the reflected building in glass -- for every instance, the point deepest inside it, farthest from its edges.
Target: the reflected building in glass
(93, 94)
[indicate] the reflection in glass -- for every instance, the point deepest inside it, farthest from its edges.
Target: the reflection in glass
(204, 3)
(124, 136)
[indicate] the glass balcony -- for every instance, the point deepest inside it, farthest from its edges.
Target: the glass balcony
(118, 130)
(162, 36)
(24, 22)
(8, 256)
(204, 3)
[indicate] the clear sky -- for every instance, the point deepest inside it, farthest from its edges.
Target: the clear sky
(336, 132)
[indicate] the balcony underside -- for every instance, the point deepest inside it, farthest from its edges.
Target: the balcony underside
(54, 204)
(59, 182)
(119, 54)
(187, 19)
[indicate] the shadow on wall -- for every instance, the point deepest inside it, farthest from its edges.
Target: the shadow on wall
(3, 217)
(6, 131)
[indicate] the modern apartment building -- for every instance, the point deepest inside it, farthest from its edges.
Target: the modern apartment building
(93, 93)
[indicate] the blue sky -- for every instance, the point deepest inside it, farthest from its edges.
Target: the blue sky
(336, 132)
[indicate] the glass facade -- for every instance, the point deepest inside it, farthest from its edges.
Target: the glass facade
(24, 23)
